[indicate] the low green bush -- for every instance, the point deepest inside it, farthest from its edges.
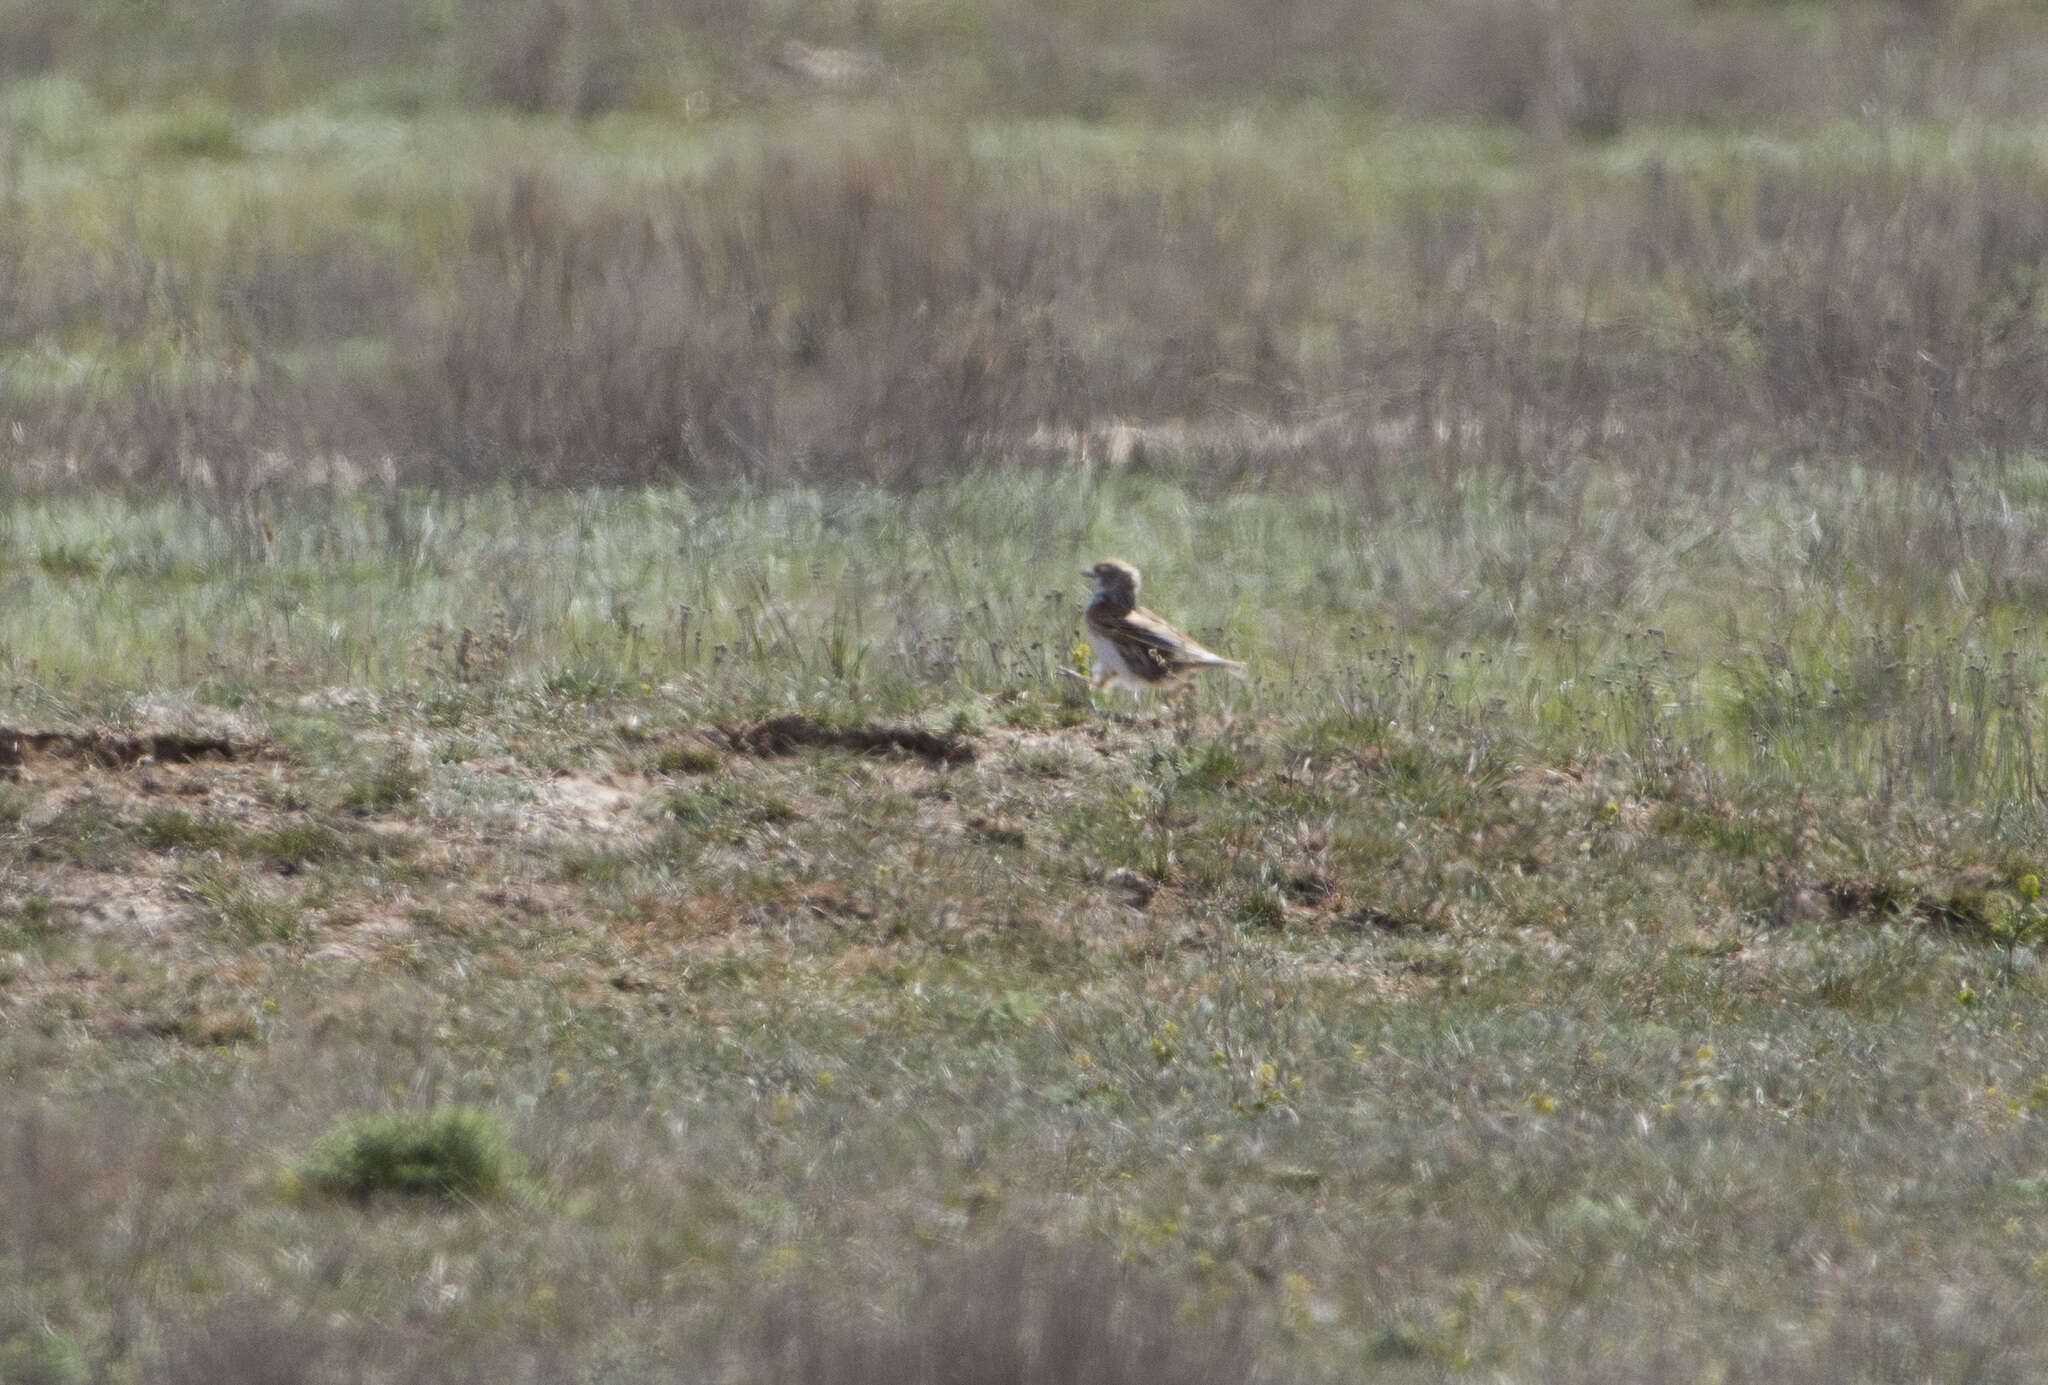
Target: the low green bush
(448, 1152)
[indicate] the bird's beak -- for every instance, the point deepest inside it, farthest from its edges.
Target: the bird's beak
(1089, 573)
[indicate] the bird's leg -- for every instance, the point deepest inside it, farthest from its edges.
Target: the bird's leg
(1099, 683)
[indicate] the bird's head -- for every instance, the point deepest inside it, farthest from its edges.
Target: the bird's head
(1115, 579)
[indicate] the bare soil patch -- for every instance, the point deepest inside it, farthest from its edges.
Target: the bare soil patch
(788, 734)
(109, 749)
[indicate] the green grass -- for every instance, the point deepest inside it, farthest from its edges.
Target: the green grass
(1597, 941)
(686, 759)
(447, 1152)
(239, 909)
(296, 845)
(173, 829)
(374, 790)
(1561, 916)
(28, 922)
(201, 132)
(1687, 627)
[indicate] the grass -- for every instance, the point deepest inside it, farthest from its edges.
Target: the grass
(1297, 285)
(448, 1152)
(1724, 624)
(1612, 66)
(238, 908)
(372, 791)
(597, 492)
(686, 759)
(1594, 898)
(198, 133)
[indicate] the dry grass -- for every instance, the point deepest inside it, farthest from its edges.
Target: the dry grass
(538, 541)
(1662, 249)
(889, 306)
(1017, 1314)
(1272, 1049)
(1590, 67)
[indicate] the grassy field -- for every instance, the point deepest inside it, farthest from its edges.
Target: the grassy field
(212, 275)
(1595, 942)
(543, 837)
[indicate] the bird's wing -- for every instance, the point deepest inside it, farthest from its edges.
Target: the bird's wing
(1152, 647)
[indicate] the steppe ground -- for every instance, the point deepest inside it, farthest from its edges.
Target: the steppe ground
(543, 836)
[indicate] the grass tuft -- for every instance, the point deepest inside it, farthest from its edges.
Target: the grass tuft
(173, 829)
(447, 1152)
(393, 783)
(29, 922)
(240, 908)
(201, 132)
(686, 758)
(295, 845)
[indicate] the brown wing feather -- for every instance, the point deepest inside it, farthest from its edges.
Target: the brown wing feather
(1154, 648)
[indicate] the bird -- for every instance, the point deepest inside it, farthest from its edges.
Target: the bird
(1132, 645)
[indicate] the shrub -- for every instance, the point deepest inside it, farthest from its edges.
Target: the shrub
(448, 1152)
(887, 300)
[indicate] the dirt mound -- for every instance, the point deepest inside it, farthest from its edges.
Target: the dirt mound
(785, 735)
(1962, 900)
(113, 749)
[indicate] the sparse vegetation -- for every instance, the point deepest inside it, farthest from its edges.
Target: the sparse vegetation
(1019, 1312)
(1643, 873)
(544, 836)
(392, 783)
(1295, 284)
(170, 829)
(239, 908)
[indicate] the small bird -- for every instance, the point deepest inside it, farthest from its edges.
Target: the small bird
(1133, 646)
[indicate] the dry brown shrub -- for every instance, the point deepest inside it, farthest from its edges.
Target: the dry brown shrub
(883, 309)
(881, 304)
